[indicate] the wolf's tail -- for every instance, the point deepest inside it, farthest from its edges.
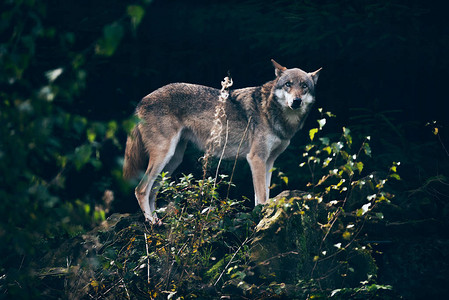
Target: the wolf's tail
(135, 154)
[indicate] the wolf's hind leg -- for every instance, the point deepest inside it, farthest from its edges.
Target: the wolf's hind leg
(160, 154)
(174, 162)
(143, 190)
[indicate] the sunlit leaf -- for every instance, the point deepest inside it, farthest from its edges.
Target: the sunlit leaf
(365, 208)
(329, 114)
(312, 133)
(395, 176)
(52, 75)
(323, 179)
(334, 292)
(326, 162)
(321, 123)
(91, 135)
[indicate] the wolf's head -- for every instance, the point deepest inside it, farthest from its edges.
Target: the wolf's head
(294, 89)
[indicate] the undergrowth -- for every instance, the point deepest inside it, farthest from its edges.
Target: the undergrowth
(186, 256)
(203, 250)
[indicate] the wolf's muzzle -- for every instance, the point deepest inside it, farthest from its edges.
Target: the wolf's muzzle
(296, 103)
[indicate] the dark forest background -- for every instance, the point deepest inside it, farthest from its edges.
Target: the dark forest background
(72, 73)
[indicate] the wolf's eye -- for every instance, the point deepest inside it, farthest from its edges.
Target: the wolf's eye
(303, 85)
(288, 84)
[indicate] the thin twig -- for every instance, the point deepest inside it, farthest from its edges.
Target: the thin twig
(148, 257)
(232, 258)
(126, 289)
(442, 144)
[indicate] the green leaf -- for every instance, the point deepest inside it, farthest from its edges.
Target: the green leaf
(367, 149)
(112, 35)
(112, 128)
(327, 160)
(336, 147)
(136, 12)
(380, 215)
(347, 135)
(91, 135)
(395, 176)
(82, 156)
(129, 124)
(325, 141)
(344, 154)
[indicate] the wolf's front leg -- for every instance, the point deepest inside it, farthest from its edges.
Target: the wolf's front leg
(258, 167)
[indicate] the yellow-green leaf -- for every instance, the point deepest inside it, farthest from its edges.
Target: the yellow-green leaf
(346, 235)
(367, 149)
(395, 176)
(312, 133)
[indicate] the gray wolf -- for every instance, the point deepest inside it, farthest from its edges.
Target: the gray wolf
(261, 120)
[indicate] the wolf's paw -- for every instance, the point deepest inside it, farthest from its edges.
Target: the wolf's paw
(153, 220)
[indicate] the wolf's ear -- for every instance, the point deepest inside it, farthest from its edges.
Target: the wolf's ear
(315, 75)
(278, 69)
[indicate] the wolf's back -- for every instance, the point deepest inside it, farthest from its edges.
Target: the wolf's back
(135, 154)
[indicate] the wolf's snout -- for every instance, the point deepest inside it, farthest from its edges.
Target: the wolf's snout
(296, 103)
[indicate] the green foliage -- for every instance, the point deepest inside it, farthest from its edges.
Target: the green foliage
(352, 196)
(43, 143)
(108, 43)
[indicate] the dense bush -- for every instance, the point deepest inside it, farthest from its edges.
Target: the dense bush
(45, 144)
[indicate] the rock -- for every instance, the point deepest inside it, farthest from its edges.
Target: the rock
(286, 238)
(288, 246)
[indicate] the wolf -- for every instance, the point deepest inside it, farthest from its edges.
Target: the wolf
(260, 122)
